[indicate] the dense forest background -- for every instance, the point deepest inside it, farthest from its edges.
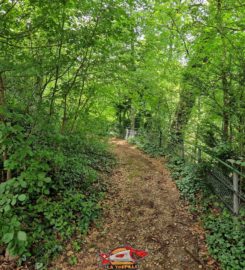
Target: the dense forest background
(74, 72)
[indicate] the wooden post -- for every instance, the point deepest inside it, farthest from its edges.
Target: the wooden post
(235, 193)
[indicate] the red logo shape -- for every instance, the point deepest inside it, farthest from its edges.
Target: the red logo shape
(123, 256)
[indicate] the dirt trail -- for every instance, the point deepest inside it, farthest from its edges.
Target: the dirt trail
(143, 209)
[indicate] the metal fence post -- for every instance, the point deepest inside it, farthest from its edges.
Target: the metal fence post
(235, 193)
(126, 136)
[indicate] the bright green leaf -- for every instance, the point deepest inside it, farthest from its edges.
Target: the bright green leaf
(22, 197)
(21, 235)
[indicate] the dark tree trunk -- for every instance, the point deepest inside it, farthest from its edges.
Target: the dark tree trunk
(1, 97)
(226, 104)
(182, 115)
(6, 174)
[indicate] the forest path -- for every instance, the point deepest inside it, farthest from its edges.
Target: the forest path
(143, 209)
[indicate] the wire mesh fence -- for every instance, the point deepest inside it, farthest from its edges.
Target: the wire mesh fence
(221, 186)
(224, 179)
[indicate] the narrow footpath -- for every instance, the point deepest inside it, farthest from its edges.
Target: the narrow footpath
(143, 209)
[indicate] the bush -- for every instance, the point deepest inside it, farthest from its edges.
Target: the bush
(54, 190)
(147, 146)
(226, 239)
(225, 233)
(189, 179)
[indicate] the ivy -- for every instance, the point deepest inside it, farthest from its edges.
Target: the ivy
(225, 233)
(226, 239)
(54, 193)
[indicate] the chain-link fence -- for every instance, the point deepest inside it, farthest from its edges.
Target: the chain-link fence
(224, 179)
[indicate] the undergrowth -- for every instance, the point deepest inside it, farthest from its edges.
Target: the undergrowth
(54, 190)
(225, 233)
(150, 147)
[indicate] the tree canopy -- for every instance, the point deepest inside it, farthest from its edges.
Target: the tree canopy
(73, 72)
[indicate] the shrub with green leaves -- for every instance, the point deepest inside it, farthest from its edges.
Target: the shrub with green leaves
(54, 189)
(225, 233)
(226, 239)
(150, 147)
(190, 183)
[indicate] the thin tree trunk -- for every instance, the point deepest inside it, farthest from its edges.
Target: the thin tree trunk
(160, 138)
(87, 57)
(182, 115)
(224, 75)
(64, 119)
(226, 117)
(57, 68)
(2, 120)
(6, 175)
(2, 101)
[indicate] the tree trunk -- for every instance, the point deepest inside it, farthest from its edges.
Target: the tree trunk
(226, 103)
(224, 74)
(182, 115)
(64, 119)
(6, 174)
(57, 67)
(2, 102)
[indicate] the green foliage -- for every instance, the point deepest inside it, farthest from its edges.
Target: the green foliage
(73, 260)
(223, 151)
(76, 246)
(72, 70)
(189, 179)
(225, 233)
(147, 146)
(189, 186)
(54, 189)
(238, 162)
(226, 239)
